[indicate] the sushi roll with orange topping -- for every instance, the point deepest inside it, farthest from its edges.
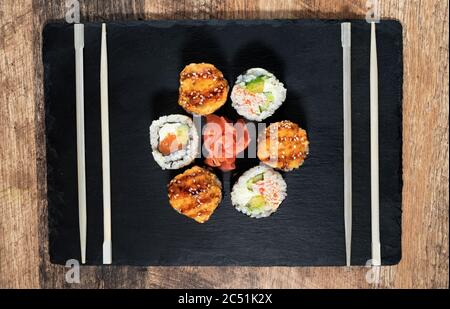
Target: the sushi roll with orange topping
(203, 89)
(283, 145)
(196, 193)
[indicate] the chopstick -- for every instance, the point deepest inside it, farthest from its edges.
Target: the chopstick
(81, 163)
(375, 203)
(107, 243)
(347, 92)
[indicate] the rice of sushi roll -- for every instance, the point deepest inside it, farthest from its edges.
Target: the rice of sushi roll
(259, 192)
(174, 141)
(257, 94)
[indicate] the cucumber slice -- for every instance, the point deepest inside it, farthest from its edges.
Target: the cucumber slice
(269, 96)
(254, 180)
(265, 106)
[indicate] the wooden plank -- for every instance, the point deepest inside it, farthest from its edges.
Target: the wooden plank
(24, 260)
(19, 258)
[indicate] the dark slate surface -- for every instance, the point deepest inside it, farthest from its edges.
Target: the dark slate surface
(145, 59)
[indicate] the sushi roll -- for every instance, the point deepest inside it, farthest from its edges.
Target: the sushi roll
(203, 89)
(196, 193)
(283, 145)
(259, 192)
(174, 141)
(257, 94)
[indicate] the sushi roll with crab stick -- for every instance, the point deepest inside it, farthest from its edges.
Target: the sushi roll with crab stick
(257, 94)
(174, 141)
(259, 192)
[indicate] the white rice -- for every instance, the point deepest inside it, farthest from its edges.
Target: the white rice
(247, 103)
(179, 158)
(273, 182)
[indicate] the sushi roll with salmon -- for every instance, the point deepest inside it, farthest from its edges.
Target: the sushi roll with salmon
(257, 94)
(174, 141)
(259, 192)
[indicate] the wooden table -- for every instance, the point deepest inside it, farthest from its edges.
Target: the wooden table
(24, 260)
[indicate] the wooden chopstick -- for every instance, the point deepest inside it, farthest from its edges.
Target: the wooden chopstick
(107, 243)
(81, 163)
(347, 97)
(374, 166)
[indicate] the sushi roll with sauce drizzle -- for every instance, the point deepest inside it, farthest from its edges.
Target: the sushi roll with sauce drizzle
(196, 193)
(283, 145)
(257, 94)
(174, 141)
(203, 89)
(259, 192)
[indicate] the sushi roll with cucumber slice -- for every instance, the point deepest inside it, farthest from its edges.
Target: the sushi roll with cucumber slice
(259, 192)
(174, 141)
(257, 94)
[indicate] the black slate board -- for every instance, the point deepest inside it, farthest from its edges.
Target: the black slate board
(145, 59)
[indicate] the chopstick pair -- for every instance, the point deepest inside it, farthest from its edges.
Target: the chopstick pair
(81, 160)
(375, 223)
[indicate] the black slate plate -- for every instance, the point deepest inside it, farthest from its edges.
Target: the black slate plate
(145, 59)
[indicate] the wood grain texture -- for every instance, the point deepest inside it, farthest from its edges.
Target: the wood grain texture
(24, 260)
